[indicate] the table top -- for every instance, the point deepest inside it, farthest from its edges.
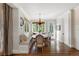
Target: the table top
(44, 35)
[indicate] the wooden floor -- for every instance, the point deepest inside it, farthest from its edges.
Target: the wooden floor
(54, 49)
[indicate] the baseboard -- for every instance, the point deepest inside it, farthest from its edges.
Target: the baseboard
(76, 47)
(68, 44)
(15, 51)
(19, 51)
(61, 41)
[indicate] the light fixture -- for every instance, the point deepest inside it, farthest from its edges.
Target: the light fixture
(40, 20)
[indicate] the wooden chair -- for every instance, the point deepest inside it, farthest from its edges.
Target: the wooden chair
(40, 42)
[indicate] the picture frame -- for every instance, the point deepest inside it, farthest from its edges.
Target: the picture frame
(21, 21)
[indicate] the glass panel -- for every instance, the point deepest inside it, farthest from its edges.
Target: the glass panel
(37, 27)
(26, 26)
(51, 28)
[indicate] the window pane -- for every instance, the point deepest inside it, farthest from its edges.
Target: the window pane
(37, 27)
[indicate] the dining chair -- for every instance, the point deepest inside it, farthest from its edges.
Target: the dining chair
(40, 42)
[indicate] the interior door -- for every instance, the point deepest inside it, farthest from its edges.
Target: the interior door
(62, 30)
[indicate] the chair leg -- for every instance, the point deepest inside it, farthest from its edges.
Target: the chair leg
(42, 49)
(36, 49)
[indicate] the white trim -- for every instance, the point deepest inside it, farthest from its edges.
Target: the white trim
(20, 51)
(15, 51)
(68, 44)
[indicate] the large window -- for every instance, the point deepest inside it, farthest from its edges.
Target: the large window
(37, 27)
(26, 26)
(51, 28)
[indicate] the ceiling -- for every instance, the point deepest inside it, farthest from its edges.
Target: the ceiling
(45, 10)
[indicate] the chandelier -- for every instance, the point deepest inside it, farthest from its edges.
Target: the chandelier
(40, 21)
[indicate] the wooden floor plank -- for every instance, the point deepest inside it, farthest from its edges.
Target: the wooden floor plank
(54, 50)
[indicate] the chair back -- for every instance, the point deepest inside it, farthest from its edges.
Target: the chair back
(39, 41)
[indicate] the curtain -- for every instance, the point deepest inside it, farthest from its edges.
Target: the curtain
(8, 29)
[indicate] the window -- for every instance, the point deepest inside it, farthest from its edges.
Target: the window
(37, 27)
(26, 26)
(51, 28)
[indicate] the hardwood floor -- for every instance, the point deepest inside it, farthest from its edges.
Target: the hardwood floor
(58, 49)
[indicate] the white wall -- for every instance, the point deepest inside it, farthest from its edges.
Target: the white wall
(71, 27)
(21, 28)
(60, 36)
(65, 27)
(17, 31)
(76, 28)
(23, 48)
